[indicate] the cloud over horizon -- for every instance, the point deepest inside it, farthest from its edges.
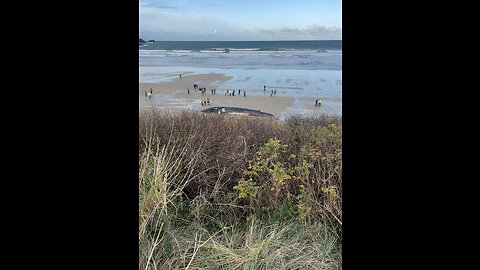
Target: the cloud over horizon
(158, 5)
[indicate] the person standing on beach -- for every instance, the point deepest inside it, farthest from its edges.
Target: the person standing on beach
(188, 90)
(239, 92)
(146, 93)
(316, 102)
(149, 94)
(264, 89)
(208, 101)
(244, 93)
(180, 76)
(233, 92)
(275, 92)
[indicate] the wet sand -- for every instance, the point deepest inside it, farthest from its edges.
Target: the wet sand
(172, 95)
(312, 100)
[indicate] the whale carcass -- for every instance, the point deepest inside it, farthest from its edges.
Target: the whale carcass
(237, 111)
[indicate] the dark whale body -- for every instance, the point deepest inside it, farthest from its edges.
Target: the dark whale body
(238, 111)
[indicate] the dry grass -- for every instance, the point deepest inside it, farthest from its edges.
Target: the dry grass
(191, 216)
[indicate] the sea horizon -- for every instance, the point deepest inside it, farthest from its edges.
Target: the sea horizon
(241, 40)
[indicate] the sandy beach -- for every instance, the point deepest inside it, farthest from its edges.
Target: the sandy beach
(172, 95)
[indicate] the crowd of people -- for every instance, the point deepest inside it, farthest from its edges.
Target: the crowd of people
(229, 92)
(202, 90)
(213, 91)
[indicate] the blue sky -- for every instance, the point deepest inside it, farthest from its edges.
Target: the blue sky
(240, 19)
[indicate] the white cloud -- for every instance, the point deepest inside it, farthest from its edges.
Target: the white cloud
(184, 25)
(313, 31)
(164, 22)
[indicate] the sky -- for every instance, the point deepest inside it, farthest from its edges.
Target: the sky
(236, 20)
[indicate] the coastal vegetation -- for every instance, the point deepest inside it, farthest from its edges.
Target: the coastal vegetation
(220, 192)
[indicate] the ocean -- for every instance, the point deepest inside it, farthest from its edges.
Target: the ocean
(296, 68)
